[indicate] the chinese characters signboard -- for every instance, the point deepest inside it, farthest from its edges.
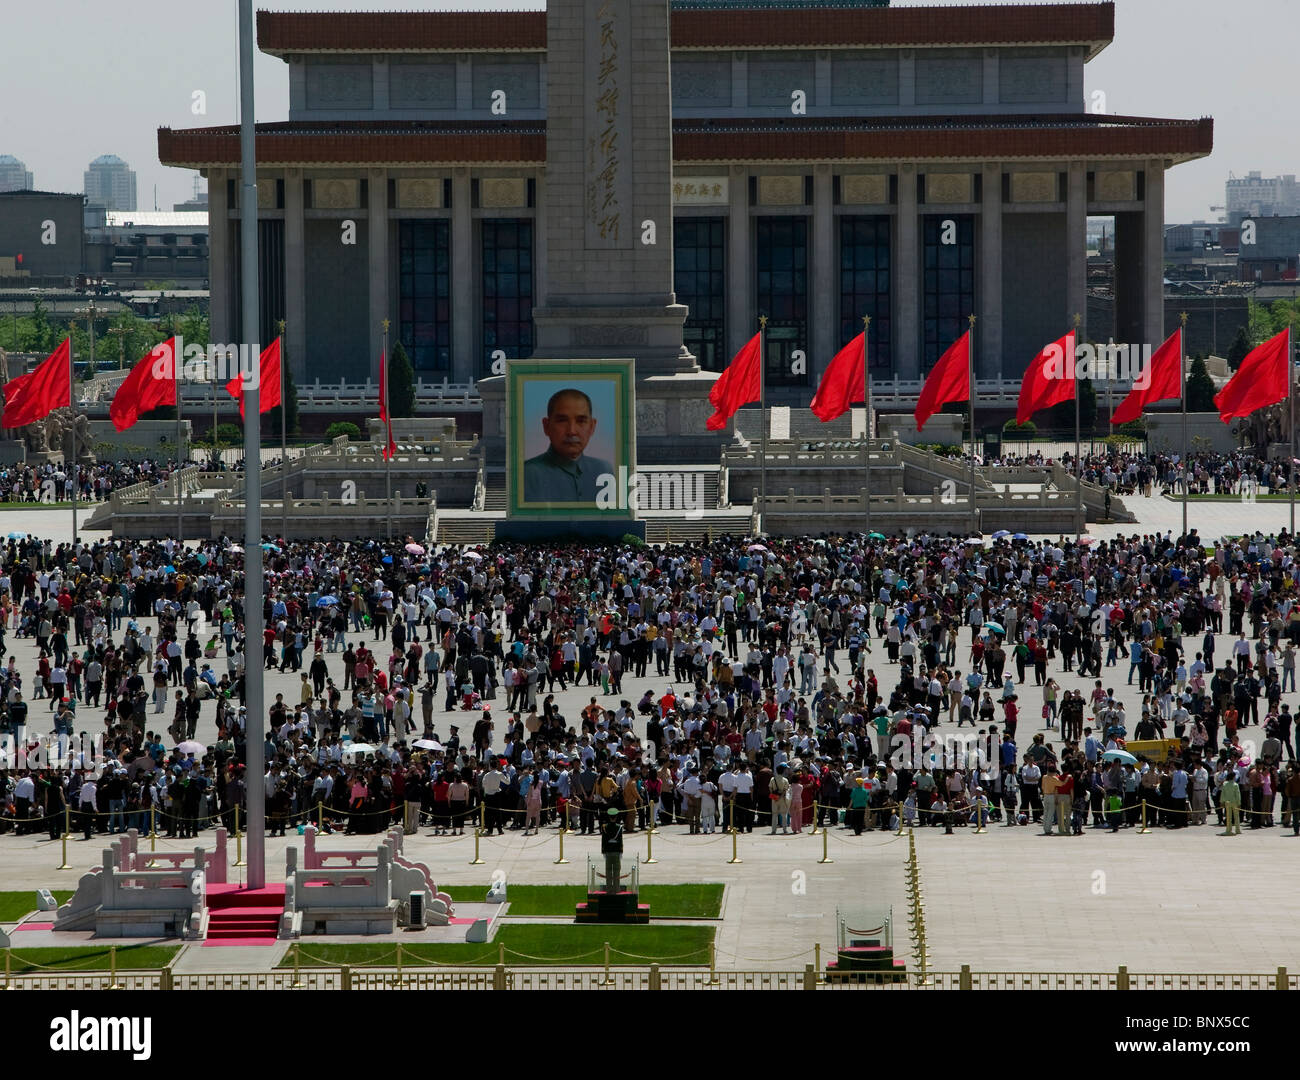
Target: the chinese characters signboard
(609, 217)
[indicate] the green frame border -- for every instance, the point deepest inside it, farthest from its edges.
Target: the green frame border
(622, 373)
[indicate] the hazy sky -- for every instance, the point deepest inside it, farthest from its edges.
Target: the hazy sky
(82, 78)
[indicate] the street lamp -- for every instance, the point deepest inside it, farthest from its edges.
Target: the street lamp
(89, 312)
(120, 333)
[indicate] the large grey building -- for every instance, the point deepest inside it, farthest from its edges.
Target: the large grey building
(830, 161)
(110, 183)
(14, 174)
(43, 233)
(1256, 195)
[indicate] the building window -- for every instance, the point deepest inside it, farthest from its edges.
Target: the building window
(864, 286)
(699, 269)
(949, 283)
(425, 305)
(507, 289)
(782, 295)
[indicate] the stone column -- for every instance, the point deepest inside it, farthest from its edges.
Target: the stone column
(539, 242)
(988, 331)
(1153, 253)
(740, 264)
(219, 268)
(295, 275)
(824, 331)
(992, 78)
(906, 78)
(907, 280)
(1076, 246)
(739, 80)
(464, 366)
(377, 231)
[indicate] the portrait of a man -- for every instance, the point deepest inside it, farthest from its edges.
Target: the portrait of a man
(564, 472)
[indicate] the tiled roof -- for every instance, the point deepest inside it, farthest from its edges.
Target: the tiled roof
(976, 138)
(283, 33)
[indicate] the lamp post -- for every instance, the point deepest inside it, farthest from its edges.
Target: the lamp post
(120, 333)
(89, 312)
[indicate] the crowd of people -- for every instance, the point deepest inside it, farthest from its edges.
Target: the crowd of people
(773, 685)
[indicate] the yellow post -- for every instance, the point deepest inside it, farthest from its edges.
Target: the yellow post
(399, 964)
(826, 856)
(297, 982)
(813, 830)
(112, 968)
(817, 957)
(979, 816)
(1144, 828)
(320, 817)
(153, 827)
(713, 963)
(501, 954)
(476, 861)
(561, 861)
(650, 847)
(608, 978)
(735, 856)
(7, 986)
(239, 842)
(482, 816)
(67, 828)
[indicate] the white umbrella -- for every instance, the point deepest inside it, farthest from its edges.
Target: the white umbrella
(415, 549)
(427, 744)
(756, 547)
(473, 555)
(190, 746)
(358, 748)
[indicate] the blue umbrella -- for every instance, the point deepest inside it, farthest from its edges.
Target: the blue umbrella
(327, 601)
(203, 559)
(387, 560)
(1019, 536)
(169, 569)
(271, 547)
(1001, 533)
(997, 628)
(17, 536)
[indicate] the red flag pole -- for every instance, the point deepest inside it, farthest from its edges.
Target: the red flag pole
(388, 412)
(1182, 393)
(180, 491)
(866, 434)
(970, 389)
(1290, 393)
(72, 469)
(762, 428)
(1078, 461)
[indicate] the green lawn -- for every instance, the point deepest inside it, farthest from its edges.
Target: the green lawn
(14, 905)
(569, 945)
(95, 958)
(666, 901)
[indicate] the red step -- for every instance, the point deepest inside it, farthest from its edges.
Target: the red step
(238, 915)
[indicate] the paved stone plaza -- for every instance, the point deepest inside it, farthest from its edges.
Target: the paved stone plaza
(1009, 899)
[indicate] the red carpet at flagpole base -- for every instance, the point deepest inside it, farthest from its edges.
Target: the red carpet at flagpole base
(239, 916)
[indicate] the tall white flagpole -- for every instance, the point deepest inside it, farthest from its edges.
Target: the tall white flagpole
(180, 491)
(1290, 390)
(1078, 460)
(866, 425)
(72, 468)
(762, 424)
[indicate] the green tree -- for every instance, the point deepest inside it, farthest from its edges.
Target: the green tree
(195, 326)
(1261, 326)
(42, 335)
(1027, 430)
(1238, 349)
(1200, 388)
(1061, 415)
(401, 383)
(342, 427)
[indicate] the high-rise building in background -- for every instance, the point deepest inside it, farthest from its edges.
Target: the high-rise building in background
(14, 175)
(110, 182)
(1256, 195)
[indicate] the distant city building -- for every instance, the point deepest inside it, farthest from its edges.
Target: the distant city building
(131, 247)
(1272, 253)
(41, 237)
(1255, 195)
(14, 175)
(110, 182)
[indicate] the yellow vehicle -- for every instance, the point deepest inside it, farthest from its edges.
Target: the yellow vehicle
(1156, 750)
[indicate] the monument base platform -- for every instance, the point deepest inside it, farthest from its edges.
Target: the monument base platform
(619, 907)
(568, 529)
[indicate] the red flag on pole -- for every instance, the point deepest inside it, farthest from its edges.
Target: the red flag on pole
(737, 386)
(268, 381)
(949, 381)
(34, 396)
(1260, 381)
(152, 383)
(843, 382)
(391, 447)
(1049, 379)
(1161, 381)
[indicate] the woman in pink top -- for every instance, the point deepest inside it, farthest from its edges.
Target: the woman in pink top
(796, 803)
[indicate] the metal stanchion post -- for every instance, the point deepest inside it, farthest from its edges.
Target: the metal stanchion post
(562, 861)
(8, 985)
(112, 968)
(826, 857)
(650, 847)
(476, 861)
(608, 979)
(816, 814)
(817, 957)
(297, 982)
(735, 855)
(399, 965)
(153, 828)
(320, 817)
(1144, 828)
(713, 964)
(239, 842)
(67, 828)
